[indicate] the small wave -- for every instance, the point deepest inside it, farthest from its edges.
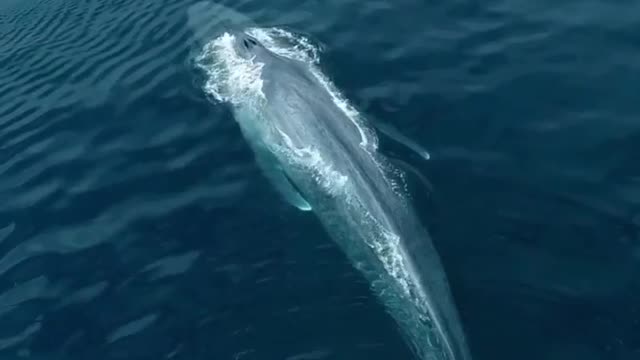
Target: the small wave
(93, 114)
(131, 328)
(6, 231)
(59, 53)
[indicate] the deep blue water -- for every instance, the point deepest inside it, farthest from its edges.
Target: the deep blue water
(134, 222)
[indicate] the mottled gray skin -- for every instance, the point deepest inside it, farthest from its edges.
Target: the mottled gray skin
(299, 106)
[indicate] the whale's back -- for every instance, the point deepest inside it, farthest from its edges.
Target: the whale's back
(376, 215)
(331, 156)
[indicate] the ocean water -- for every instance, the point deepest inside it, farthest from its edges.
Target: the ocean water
(135, 223)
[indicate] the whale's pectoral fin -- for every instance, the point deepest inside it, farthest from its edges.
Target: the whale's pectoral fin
(280, 180)
(286, 188)
(395, 135)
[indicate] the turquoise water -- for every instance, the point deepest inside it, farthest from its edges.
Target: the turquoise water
(135, 223)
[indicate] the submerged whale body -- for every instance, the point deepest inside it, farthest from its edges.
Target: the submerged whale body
(322, 156)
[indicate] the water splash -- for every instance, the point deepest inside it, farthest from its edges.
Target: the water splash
(230, 78)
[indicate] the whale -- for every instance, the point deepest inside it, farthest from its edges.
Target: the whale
(322, 156)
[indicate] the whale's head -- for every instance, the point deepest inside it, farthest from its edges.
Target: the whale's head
(248, 47)
(278, 72)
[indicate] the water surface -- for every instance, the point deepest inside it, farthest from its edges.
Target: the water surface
(134, 222)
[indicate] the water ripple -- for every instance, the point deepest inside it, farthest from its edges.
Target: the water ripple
(95, 101)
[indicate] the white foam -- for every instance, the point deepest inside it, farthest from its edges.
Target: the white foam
(230, 77)
(331, 180)
(286, 44)
(386, 244)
